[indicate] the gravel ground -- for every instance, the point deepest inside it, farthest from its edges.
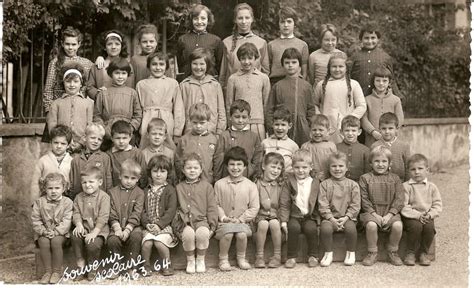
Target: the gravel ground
(449, 269)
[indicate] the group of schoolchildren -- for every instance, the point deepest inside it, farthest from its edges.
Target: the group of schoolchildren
(206, 168)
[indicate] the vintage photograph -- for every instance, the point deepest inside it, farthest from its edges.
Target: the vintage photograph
(232, 142)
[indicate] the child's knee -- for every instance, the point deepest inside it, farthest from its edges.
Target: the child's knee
(274, 225)
(397, 226)
(241, 236)
(147, 244)
(202, 234)
(371, 227)
(263, 225)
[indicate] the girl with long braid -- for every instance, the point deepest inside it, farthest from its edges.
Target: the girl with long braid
(338, 96)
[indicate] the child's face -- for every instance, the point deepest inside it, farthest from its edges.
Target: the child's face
(418, 171)
(70, 46)
(380, 164)
(90, 184)
(159, 176)
(121, 140)
(199, 68)
(247, 63)
(148, 43)
(338, 168)
(192, 170)
(59, 145)
(319, 133)
(370, 40)
(157, 136)
(128, 179)
(292, 66)
(287, 27)
(328, 42)
(199, 126)
(388, 131)
(157, 67)
(93, 141)
(113, 47)
(272, 171)
(54, 189)
(280, 128)
(200, 22)
(119, 77)
(244, 20)
(240, 119)
(337, 68)
(350, 133)
(301, 169)
(72, 85)
(235, 168)
(381, 84)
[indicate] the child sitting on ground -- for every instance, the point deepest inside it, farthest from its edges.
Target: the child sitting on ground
(158, 213)
(197, 212)
(422, 205)
(382, 197)
(270, 186)
(90, 218)
(126, 205)
(298, 209)
(238, 204)
(57, 160)
(51, 220)
(339, 205)
(279, 142)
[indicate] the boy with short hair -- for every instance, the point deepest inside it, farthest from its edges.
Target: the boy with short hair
(389, 127)
(57, 160)
(251, 85)
(362, 64)
(295, 93)
(299, 209)
(237, 205)
(288, 18)
(199, 140)
(126, 205)
(279, 141)
(122, 150)
(91, 156)
(238, 134)
(157, 134)
(357, 153)
(118, 102)
(90, 216)
(422, 205)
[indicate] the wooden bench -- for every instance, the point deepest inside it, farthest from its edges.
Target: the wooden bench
(178, 257)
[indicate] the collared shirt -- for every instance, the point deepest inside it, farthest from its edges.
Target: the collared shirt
(421, 198)
(287, 37)
(339, 198)
(92, 210)
(149, 152)
(269, 196)
(126, 206)
(304, 190)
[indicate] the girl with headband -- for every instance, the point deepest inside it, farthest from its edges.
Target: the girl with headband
(71, 40)
(99, 80)
(73, 109)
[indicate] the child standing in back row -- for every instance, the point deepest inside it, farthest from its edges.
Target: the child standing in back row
(160, 97)
(294, 93)
(147, 36)
(288, 18)
(251, 85)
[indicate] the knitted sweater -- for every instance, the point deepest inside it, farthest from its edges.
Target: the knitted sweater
(421, 198)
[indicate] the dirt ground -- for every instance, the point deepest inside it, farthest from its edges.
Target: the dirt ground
(449, 269)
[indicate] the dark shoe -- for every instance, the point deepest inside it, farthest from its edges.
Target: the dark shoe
(148, 271)
(55, 277)
(313, 261)
(91, 275)
(167, 271)
(425, 260)
(114, 276)
(45, 278)
(259, 262)
(290, 263)
(370, 259)
(410, 259)
(80, 278)
(394, 258)
(275, 262)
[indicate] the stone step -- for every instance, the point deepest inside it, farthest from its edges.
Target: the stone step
(178, 256)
